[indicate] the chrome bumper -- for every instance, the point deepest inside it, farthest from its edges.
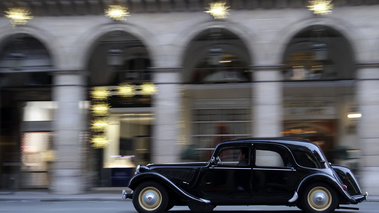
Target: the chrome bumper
(126, 195)
(359, 198)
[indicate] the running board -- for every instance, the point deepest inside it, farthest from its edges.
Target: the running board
(347, 207)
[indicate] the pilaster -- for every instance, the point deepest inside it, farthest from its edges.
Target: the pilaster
(167, 103)
(69, 125)
(368, 134)
(267, 102)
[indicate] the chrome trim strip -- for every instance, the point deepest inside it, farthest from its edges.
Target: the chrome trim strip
(180, 190)
(294, 198)
(228, 168)
(267, 169)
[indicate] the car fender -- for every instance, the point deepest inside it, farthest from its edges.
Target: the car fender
(325, 178)
(137, 179)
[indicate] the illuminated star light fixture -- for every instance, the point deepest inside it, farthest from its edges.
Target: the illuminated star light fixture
(18, 15)
(100, 93)
(99, 141)
(99, 124)
(126, 90)
(149, 89)
(117, 12)
(321, 7)
(100, 109)
(218, 10)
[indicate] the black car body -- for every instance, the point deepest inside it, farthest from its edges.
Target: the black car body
(255, 171)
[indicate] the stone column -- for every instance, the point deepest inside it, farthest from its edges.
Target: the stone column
(69, 124)
(167, 103)
(267, 103)
(368, 133)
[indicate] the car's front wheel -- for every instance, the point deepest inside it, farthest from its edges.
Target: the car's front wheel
(319, 198)
(150, 197)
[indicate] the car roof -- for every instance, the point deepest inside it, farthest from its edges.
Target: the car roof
(272, 140)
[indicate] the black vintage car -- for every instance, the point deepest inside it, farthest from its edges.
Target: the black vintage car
(255, 171)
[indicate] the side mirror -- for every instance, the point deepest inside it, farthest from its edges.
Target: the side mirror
(216, 161)
(213, 160)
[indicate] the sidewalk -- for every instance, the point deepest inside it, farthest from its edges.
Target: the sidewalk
(96, 194)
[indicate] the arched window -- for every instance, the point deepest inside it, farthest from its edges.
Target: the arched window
(217, 56)
(119, 57)
(318, 53)
(26, 60)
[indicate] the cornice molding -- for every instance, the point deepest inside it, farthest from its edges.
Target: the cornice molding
(96, 7)
(367, 65)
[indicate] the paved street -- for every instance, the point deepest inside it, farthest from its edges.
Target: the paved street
(18, 206)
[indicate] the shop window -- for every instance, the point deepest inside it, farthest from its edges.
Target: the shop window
(129, 138)
(211, 126)
(39, 111)
(36, 158)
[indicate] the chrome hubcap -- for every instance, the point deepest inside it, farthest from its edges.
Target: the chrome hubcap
(150, 198)
(319, 198)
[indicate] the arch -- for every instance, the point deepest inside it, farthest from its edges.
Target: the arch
(49, 42)
(246, 35)
(336, 67)
(204, 30)
(288, 33)
(87, 40)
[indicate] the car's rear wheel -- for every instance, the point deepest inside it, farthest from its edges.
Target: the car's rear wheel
(150, 197)
(319, 198)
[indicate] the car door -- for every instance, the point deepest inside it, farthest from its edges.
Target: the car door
(228, 178)
(274, 174)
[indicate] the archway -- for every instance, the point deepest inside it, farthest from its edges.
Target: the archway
(119, 66)
(216, 69)
(319, 87)
(26, 111)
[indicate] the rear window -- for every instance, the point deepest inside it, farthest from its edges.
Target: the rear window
(308, 158)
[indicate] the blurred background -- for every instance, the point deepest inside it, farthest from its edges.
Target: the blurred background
(89, 89)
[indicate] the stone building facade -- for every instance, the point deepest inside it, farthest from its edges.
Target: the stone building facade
(271, 68)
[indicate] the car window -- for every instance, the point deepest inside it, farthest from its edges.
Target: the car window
(268, 158)
(309, 159)
(272, 156)
(236, 156)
